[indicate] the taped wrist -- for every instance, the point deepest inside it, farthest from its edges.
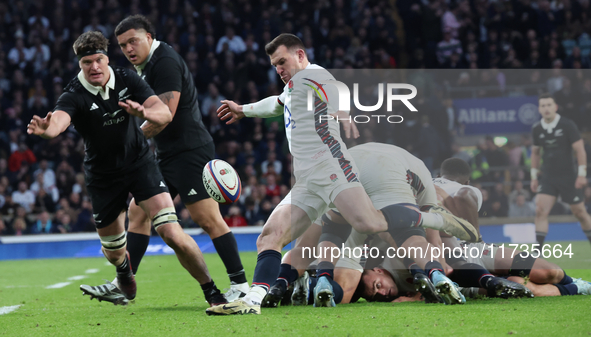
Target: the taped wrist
(334, 232)
(114, 242)
(165, 216)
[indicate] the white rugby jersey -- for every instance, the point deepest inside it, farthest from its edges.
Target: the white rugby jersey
(452, 187)
(312, 139)
(402, 277)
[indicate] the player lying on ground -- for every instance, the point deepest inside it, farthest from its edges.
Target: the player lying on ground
(390, 176)
(183, 147)
(118, 160)
(465, 201)
(324, 171)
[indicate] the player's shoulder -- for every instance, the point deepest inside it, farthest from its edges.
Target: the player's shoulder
(74, 86)
(164, 53)
(123, 72)
(537, 126)
(566, 121)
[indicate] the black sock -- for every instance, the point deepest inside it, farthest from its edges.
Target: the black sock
(588, 234)
(566, 279)
(227, 249)
(415, 269)
(337, 291)
(540, 237)
(267, 268)
(568, 289)
(432, 266)
(399, 217)
(137, 244)
(313, 281)
(287, 275)
(471, 275)
(325, 268)
(209, 290)
(124, 270)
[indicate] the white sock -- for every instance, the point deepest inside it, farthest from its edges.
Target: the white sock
(243, 287)
(255, 295)
(431, 220)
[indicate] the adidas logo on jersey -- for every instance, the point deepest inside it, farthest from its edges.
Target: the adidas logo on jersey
(162, 184)
(192, 192)
(93, 106)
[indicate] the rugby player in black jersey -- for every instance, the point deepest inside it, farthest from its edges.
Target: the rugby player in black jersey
(103, 104)
(558, 137)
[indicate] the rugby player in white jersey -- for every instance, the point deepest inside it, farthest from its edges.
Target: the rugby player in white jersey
(390, 175)
(465, 201)
(324, 171)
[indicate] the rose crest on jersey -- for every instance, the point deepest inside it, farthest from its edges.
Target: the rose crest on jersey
(290, 86)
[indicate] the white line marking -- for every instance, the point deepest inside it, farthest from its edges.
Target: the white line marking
(108, 263)
(77, 277)
(58, 285)
(21, 286)
(6, 310)
(92, 271)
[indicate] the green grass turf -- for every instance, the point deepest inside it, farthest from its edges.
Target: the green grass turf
(169, 302)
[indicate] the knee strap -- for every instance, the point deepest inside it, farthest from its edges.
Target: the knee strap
(165, 216)
(334, 232)
(114, 242)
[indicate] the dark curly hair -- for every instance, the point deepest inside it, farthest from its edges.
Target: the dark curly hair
(90, 41)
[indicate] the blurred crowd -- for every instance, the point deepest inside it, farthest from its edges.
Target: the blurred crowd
(42, 183)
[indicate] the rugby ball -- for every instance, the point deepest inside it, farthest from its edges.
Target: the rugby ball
(221, 182)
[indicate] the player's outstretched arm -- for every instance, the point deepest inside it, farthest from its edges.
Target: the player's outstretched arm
(153, 110)
(348, 279)
(579, 148)
(49, 127)
(265, 108)
(464, 204)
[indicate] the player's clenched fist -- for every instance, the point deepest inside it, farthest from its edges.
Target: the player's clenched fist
(38, 125)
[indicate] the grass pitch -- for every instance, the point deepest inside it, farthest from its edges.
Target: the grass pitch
(170, 302)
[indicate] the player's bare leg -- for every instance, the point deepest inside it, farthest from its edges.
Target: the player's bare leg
(293, 265)
(544, 204)
(160, 209)
(584, 218)
(285, 223)
(206, 213)
(113, 241)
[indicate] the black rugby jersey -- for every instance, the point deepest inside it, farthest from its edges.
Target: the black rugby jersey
(556, 144)
(113, 140)
(167, 71)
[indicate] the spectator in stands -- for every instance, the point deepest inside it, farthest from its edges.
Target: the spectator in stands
(496, 158)
(231, 42)
(517, 190)
(4, 228)
(271, 161)
(520, 208)
(43, 225)
(447, 47)
(63, 223)
(234, 218)
(48, 173)
(39, 185)
(24, 197)
(211, 102)
(272, 189)
(84, 219)
(19, 56)
(19, 226)
(20, 156)
(44, 201)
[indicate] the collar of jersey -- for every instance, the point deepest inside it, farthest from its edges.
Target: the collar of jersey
(550, 126)
(155, 44)
(95, 90)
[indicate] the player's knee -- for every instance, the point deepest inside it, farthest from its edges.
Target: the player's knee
(542, 211)
(114, 246)
(271, 237)
(579, 212)
(364, 225)
(544, 276)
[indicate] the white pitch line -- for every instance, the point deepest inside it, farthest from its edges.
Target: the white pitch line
(91, 271)
(58, 285)
(77, 277)
(6, 310)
